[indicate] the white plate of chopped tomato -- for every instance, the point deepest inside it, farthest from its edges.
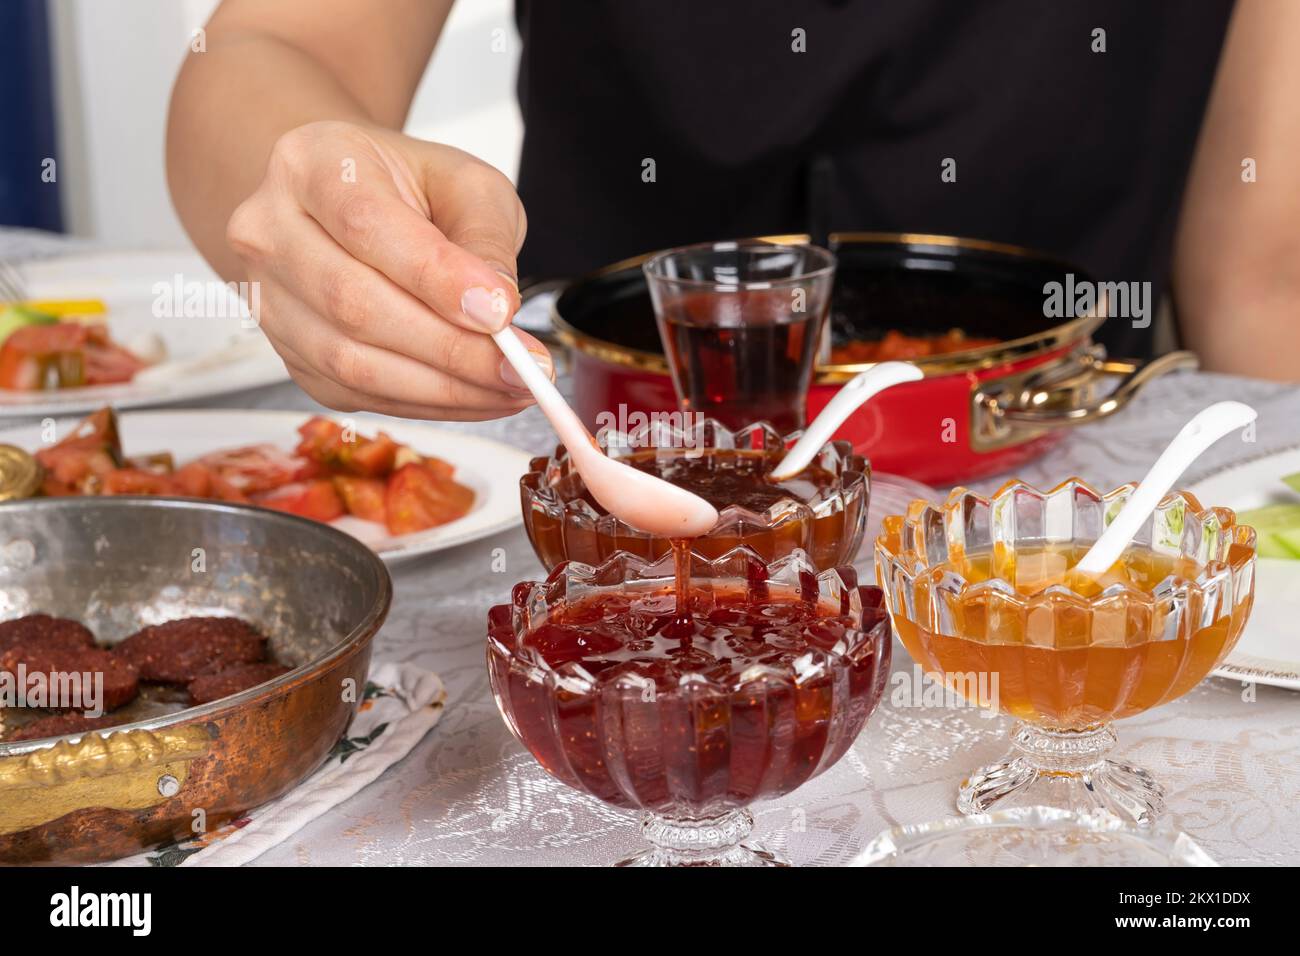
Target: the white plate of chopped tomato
(404, 488)
(127, 329)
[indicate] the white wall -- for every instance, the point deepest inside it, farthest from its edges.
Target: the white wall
(115, 61)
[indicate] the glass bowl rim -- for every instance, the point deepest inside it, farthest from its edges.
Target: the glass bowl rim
(914, 564)
(652, 266)
(537, 489)
(866, 603)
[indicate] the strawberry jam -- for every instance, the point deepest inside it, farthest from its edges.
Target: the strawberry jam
(743, 695)
(725, 477)
(822, 510)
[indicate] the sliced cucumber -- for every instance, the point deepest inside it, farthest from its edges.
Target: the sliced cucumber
(1278, 530)
(1279, 545)
(1280, 517)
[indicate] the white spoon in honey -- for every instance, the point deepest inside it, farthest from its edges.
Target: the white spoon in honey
(1204, 429)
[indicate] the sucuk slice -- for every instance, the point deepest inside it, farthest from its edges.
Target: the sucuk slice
(44, 631)
(121, 681)
(210, 687)
(179, 651)
(57, 725)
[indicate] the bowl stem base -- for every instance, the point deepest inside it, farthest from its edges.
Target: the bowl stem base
(1065, 769)
(707, 841)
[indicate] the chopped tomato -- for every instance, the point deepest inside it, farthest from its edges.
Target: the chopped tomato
(321, 438)
(90, 450)
(76, 466)
(159, 462)
(418, 497)
(193, 480)
(900, 345)
(197, 480)
(137, 481)
(443, 469)
(52, 488)
(106, 362)
(362, 497)
(97, 430)
(63, 355)
(36, 357)
(223, 490)
(327, 442)
(311, 499)
(369, 457)
(258, 468)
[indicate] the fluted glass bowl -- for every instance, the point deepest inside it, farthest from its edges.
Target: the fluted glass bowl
(691, 733)
(980, 597)
(565, 524)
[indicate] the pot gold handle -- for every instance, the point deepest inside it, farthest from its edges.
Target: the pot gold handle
(122, 770)
(1017, 408)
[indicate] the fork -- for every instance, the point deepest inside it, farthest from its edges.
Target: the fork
(12, 288)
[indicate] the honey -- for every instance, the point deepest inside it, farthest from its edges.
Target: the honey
(1064, 661)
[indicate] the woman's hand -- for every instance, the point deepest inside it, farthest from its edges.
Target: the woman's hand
(383, 262)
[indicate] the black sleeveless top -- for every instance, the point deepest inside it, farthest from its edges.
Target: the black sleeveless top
(1077, 153)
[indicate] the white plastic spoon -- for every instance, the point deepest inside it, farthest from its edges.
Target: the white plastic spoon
(1207, 427)
(847, 400)
(640, 499)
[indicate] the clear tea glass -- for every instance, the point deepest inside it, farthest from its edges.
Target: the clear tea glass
(741, 324)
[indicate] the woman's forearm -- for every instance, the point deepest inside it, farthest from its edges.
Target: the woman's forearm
(229, 107)
(265, 70)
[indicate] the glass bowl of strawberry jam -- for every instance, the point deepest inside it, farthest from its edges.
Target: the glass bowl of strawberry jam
(984, 597)
(821, 511)
(690, 712)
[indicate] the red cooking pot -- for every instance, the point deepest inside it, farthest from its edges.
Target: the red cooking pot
(977, 412)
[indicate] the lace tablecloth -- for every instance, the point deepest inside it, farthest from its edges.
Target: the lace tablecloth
(469, 794)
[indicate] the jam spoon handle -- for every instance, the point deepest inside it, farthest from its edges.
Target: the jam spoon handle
(1207, 427)
(845, 402)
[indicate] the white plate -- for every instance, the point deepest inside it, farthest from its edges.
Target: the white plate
(490, 468)
(207, 354)
(1269, 649)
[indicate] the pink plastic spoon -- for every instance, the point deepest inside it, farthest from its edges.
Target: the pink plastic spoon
(635, 497)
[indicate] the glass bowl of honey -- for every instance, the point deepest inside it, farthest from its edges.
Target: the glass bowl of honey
(983, 597)
(690, 706)
(821, 511)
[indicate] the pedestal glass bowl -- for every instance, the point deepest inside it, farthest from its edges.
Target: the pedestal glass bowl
(826, 519)
(980, 597)
(780, 671)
